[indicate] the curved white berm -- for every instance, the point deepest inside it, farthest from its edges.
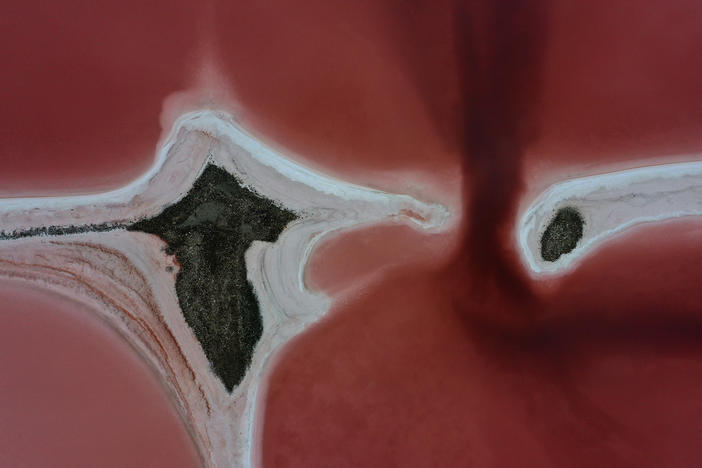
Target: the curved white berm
(123, 275)
(609, 204)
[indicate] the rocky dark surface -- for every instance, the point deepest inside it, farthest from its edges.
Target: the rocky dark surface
(60, 230)
(562, 234)
(209, 231)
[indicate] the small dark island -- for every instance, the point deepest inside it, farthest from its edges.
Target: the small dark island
(562, 234)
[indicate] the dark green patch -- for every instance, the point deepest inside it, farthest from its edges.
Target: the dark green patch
(209, 231)
(562, 234)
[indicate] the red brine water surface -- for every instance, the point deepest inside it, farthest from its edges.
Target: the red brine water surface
(459, 358)
(603, 369)
(439, 350)
(74, 394)
(82, 90)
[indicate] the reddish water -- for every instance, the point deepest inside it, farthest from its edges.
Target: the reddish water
(351, 86)
(461, 360)
(82, 88)
(606, 372)
(74, 394)
(354, 87)
(453, 358)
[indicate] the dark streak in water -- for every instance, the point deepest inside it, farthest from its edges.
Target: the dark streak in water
(500, 50)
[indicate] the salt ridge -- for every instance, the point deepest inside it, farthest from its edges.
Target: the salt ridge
(124, 276)
(609, 204)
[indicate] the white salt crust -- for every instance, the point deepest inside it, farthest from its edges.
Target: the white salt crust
(123, 275)
(609, 204)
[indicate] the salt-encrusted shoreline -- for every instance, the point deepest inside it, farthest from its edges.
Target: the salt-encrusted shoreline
(129, 281)
(609, 204)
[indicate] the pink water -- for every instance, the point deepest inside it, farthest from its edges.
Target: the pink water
(82, 89)
(450, 359)
(74, 394)
(463, 360)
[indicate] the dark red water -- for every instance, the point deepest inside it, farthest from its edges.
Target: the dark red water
(74, 394)
(452, 357)
(608, 372)
(468, 362)
(82, 88)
